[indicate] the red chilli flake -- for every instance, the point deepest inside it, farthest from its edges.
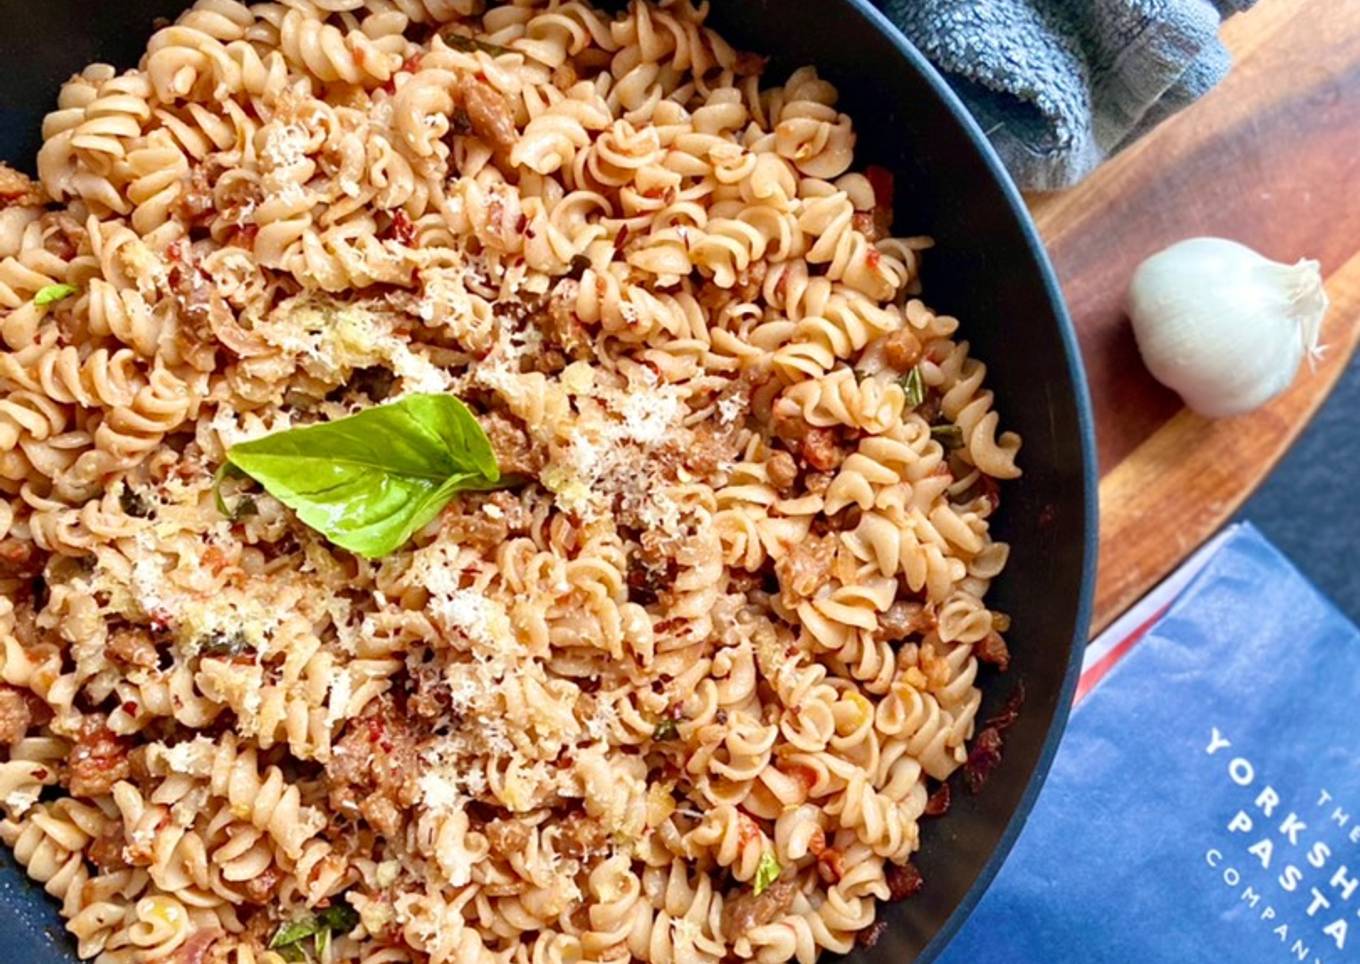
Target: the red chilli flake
(881, 180)
(160, 620)
(376, 729)
(410, 65)
(402, 230)
(130, 708)
(621, 239)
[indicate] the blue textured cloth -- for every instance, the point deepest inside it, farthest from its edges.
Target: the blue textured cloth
(1204, 805)
(1059, 85)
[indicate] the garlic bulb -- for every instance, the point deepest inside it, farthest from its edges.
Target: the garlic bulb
(1222, 325)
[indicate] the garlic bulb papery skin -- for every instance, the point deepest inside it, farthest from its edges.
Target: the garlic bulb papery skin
(1223, 326)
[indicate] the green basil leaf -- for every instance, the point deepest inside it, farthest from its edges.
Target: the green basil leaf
(950, 436)
(51, 294)
(914, 387)
(767, 871)
(369, 481)
(665, 730)
(298, 930)
(340, 917)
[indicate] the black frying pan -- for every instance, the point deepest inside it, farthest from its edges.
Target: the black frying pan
(988, 268)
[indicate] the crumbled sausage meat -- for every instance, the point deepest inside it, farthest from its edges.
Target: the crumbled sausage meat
(938, 803)
(983, 758)
(584, 835)
(870, 935)
(98, 760)
(374, 767)
(106, 850)
(749, 911)
(15, 718)
(516, 453)
(992, 649)
(507, 836)
(132, 645)
(471, 526)
(805, 568)
(817, 483)
(781, 470)
(488, 114)
(788, 425)
(19, 558)
(820, 449)
(904, 619)
(17, 188)
(749, 280)
(558, 321)
(262, 886)
(709, 447)
(196, 200)
(903, 882)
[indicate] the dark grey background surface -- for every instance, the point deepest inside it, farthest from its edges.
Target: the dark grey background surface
(1310, 504)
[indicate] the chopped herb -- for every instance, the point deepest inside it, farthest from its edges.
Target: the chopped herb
(51, 294)
(914, 387)
(767, 871)
(221, 643)
(665, 730)
(245, 506)
(298, 930)
(471, 44)
(950, 436)
(134, 503)
(339, 918)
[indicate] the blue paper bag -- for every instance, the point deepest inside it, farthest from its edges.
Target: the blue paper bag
(1205, 802)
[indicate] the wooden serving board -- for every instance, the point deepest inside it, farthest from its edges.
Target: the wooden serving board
(1270, 158)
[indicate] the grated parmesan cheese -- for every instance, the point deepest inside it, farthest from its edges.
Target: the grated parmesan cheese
(191, 757)
(19, 801)
(648, 415)
(439, 792)
(342, 687)
(285, 145)
(730, 409)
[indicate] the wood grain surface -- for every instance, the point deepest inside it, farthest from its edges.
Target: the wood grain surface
(1270, 158)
